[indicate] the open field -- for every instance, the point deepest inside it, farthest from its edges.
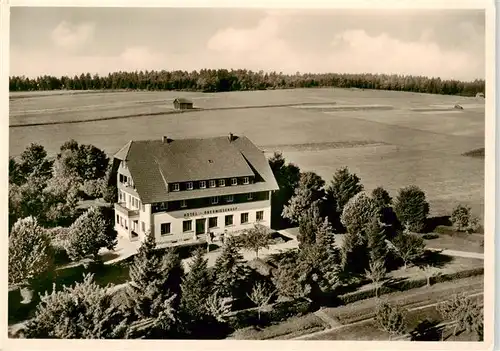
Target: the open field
(388, 138)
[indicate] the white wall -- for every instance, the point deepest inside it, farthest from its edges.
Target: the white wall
(176, 219)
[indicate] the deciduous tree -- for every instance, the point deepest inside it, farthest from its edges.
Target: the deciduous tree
(409, 247)
(88, 234)
(376, 274)
(463, 220)
(390, 318)
(256, 238)
(30, 255)
(260, 296)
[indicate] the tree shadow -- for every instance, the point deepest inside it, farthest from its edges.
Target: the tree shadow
(432, 223)
(434, 258)
(427, 330)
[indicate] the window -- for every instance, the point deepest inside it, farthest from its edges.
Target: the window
(183, 203)
(259, 216)
(162, 206)
(203, 184)
(229, 198)
(222, 182)
(189, 186)
(126, 225)
(164, 228)
(244, 218)
(250, 196)
(246, 180)
(143, 207)
(212, 222)
(175, 187)
(187, 226)
(234, 181)
(229, 220)
(215, 200)
(143, 227)
(212, 183)
(117, 219)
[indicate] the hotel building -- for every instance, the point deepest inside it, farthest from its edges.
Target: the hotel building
(183, 189)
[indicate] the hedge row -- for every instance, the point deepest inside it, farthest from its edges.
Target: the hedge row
(408, 285)
(274, 313)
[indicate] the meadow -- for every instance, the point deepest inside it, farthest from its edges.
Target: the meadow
(388, 138)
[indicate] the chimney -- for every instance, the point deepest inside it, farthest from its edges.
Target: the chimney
(231, 137)
(164, 139)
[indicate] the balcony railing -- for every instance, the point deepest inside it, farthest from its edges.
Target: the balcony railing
(120, 207)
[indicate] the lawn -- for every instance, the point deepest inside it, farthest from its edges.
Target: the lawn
(291, 328)
(368, 330)
(392, 148)
(459, 242)
(359, 310)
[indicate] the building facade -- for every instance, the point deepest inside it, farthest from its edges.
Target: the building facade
(182, 190)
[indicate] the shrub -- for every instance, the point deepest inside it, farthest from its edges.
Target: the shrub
(92, 188)
(463, 220)
(412, 208)
(407, 285)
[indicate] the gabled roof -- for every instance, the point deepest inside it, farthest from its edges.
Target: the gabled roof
(154, 163)
(183, 101)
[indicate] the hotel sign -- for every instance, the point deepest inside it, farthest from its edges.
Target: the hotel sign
(208, 212)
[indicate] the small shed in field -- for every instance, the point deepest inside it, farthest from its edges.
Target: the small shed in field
(183, 104)
(480, 95)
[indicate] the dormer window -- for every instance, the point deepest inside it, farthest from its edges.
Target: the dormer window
(234, 181)
(222, 182)
(246, 180)
(203, 184)
(212, 183)
(183, 204)
(189, 185)
(175, 187)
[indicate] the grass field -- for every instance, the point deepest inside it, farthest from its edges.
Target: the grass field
(388, 138)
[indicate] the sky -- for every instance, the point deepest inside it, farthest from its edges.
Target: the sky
(66, 41)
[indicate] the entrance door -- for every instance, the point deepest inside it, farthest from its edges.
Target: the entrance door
(200, 226)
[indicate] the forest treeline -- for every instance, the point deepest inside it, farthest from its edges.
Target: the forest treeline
(220, 80)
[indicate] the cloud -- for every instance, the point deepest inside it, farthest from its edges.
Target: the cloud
(130, 59)
(285, 41)
(72, 37)
(356, 51)
(350, 51)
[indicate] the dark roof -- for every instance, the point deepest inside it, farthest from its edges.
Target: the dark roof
(154, 163)
(183, 101)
